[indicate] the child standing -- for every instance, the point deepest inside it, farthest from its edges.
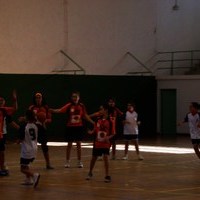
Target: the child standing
(76, 114)
(5, 118)
(28, 139)
(131, 130)
(101, 146)
(193, 120)
(41, 109)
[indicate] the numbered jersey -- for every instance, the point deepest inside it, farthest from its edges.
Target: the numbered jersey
(28, 136)
(103, 129)
(75, 114)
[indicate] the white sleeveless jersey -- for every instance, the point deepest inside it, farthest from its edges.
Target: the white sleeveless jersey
(131, 128)
(193, 121)
(29, 143)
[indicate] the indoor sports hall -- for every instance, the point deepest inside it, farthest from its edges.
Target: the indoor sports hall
(144, 54)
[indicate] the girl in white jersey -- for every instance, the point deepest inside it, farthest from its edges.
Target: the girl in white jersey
(193, 120)
(28, 139)
(131, 130)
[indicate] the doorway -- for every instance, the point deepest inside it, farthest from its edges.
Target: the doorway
(168, 111)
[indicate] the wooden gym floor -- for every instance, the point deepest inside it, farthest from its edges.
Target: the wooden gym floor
(161, 176)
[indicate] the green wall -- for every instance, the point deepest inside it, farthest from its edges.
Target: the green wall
(95, 90)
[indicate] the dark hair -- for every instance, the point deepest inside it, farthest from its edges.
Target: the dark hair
(105, 106)
(75, 92)
(195, 105)
(30, 115)
(111, 99)
(43, 99)
(131, 103)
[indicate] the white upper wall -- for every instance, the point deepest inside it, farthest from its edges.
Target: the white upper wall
(101, 32)
(178, 30)
(95, 33)
(31, 35)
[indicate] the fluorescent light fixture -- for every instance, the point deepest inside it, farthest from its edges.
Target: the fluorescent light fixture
(175, 7)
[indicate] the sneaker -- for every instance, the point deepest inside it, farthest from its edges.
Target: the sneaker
(140, 157)
(28, 181)
(125, 158)
(113, 158)
(80, 164)
(4, 172)
(5, 167)
(36, 178)
(89, 176)
(100, 158)
(67, 165)
(107, 179)
(49, 167)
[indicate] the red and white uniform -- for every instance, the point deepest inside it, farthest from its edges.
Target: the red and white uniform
(3, 112)
(103, 129)
(76, 113)
(44, 109)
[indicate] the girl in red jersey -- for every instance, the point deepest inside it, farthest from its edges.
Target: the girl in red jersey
(5, 117)
(76, 112)
(41, 109)
(104, 132)
(114, 114)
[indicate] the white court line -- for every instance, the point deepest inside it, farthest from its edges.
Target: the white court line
(143, 148)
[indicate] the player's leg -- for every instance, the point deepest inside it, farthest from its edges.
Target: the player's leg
(113, 149)
(126, 145)
(42, 139)
(25, 169)
(106, 166)
(3, 170)
(196, 149)
(92, 164)
(68, 151)
(95, 154)
(79, 164)
(136, 143)
(45, 150)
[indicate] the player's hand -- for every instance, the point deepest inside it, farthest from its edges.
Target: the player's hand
(90, 132)
(107, 139)
(14, 95)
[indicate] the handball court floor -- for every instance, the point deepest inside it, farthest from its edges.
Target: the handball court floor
(170, 170)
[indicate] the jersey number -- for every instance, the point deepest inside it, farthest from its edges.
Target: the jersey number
(32, 133)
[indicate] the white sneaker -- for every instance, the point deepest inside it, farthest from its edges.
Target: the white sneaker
(89, 176)
(125, 158)
(100, 158)
(113, 158)
(67, 165)
(80, 164)
(140, 157)
(36, 178)
(28, 181)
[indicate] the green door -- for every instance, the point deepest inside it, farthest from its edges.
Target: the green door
(168, 111)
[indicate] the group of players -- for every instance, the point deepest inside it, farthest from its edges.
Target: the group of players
(32, 129)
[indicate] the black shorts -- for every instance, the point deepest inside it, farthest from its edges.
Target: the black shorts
(2, 143)
(100, 151)
(42, 138)
(131, 137)
(195, 141)
(25, 161)
(74, 134)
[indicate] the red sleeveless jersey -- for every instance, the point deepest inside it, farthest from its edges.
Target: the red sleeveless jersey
(75, 114)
